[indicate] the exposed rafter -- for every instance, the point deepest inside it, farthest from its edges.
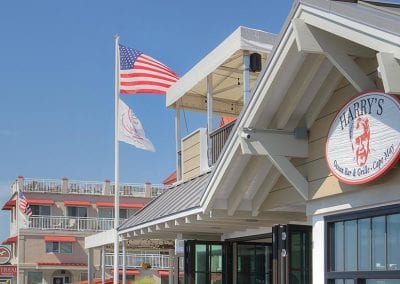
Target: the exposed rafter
(220, 106)
(297, 90)
(255, 166)
(324, 94)
(270, 180)
(277, 146)
(389, 68)
(312, 40)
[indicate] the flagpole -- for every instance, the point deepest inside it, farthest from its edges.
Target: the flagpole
(18, 231)
(116, 161)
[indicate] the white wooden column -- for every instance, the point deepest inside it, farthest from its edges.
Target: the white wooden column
(209, 115)
(123, 261)
(103, 265)
(178, 142)
(246, 77)
(90, 265)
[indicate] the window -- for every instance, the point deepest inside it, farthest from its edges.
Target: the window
(34, 277)
(76, 211)
(254, 263)
(207, 263)
(124, 213)
(58, 247)
(362, 247)
(40, 210)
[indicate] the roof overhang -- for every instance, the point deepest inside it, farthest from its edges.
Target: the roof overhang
(256, 182)
(225, 65)
(322, 47)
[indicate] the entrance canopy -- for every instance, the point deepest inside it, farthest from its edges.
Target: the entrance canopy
(225, 65)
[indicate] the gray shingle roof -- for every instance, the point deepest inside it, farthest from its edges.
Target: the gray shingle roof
(176, 199)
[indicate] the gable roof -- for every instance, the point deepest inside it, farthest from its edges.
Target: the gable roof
(300, 76)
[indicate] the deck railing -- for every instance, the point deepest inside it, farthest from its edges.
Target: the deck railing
(136, 260)
(42, 185)
(89, 187)
(218, 139)
(63, 223)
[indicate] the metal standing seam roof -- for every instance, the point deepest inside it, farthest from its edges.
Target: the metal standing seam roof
(179, 198)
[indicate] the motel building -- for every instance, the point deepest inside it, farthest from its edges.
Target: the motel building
(48, 247)
(303, 186)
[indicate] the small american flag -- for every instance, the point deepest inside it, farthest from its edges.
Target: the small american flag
(24, 204)
(140, 73)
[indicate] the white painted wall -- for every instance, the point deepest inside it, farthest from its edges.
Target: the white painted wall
(318, 258)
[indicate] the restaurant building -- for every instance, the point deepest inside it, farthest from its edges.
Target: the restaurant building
(304, 185)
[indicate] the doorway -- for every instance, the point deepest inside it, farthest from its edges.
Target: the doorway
(292, 263)
(61, 280)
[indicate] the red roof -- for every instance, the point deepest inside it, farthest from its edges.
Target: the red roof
(128, 271)
(225, 120)
(10, 240)
(41, 201)
(76, 203)
(170, 179)
(121, 205)
(61, 264)
(65, 239)
(9, 204)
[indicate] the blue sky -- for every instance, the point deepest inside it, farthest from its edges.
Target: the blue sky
(57, 80)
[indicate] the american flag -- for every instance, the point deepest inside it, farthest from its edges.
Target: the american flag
(24, 204)
(140, 73)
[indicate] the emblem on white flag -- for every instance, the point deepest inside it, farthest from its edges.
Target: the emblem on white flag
(130, 129)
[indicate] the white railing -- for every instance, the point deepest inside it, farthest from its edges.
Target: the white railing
(89, 187)
(63, 223)
(42, 185)
(130, 189)
(136, 260)
(85, 187)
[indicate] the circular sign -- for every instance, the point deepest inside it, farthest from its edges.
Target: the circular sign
(5, 255)
(364, 138)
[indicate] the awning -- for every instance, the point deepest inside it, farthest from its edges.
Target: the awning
(65, 239)
(61, 264)
(128, 271)
(97, 281)
(40, 201)
(166, 273)
(76, 203)
(121, 205)
(9, 204)
(10, 240)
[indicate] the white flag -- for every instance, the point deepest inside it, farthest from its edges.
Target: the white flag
(130, 129)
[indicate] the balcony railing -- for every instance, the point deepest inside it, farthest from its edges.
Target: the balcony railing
(218, 139)
(156, 261)
(42, 185)
(138, 190)
(64, 223)
(89, 187)
(85, 187)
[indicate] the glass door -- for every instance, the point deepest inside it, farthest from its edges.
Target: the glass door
(292, 254)
(254, 263)
(205, 262)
